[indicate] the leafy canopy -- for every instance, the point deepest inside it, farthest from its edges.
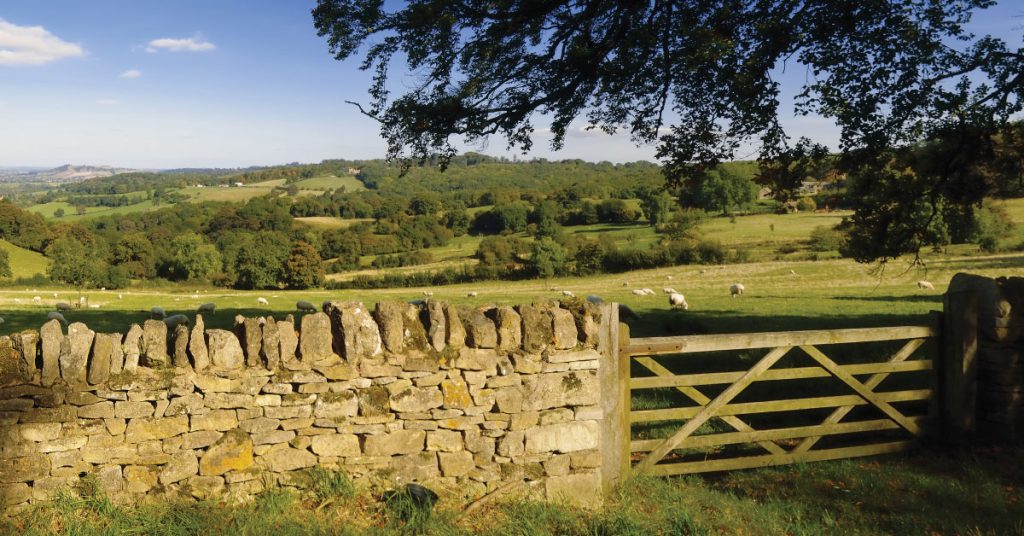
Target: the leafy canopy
(699, 79)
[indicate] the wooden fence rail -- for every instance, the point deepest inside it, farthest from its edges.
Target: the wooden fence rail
(861, 379)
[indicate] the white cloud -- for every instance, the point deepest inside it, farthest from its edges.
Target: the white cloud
(131, 73)
(191, 44)
(33, 45)
(106, 102)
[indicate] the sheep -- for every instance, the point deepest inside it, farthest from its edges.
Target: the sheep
(194, 296)
(157, 313)
(37, 299)
(54, 315)
(639, 292)
(677, 300)
(736, 289)
(428, 293)
(595, 299)
(119, 296)
(94, 306)
(63, 306)
(17, 300)
(568, 294)
(648, 292)
(325, 306)
(925, 285)
(207, 308)
(305, 307)
(54, 294)
(668, 277)
(471, 294)
(670, 290)
(792, 272)
(174, 321)
(262, 301)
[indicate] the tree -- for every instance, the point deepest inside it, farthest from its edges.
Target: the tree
(548, 258)
(59, 213)
(72, 263)
(699, 77)
(721, 191)
(5, 264)
(135, 252)
(192, 258)
(656, 205)
(303, 267)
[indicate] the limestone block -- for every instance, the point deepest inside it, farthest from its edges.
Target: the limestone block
(573, 388)
(146, 429)
(206, 487)
(154, 344)
(418, 467)
(359, 335)
(182, 465)
(480, 330)
(339, 372)
(270, 351)
(107, 357)
(45, 431)
(232, 452)
(228, 400)
(110, 478)
(456, 464)
(579, 489)
(564, 327)
(417, 399)
(11, 494)
(184, 405)
(538, 330)
(12, 372)
(219, 420)
(586, 459)
(444, 441)
(273, 437)
(512, 445)
(259, 425)
(288, 412)
(225, 350)
(456, 394)
(199, 440)
(132, 346)
(289, 344)
(251, 336)
(510, 328)
(73, 362)
(344, 445)
(52, 338)
(197, 346)
(397, 442)
(509, 399)
(127, 410)
(456, 337)
(27, 345)
(99, 410)
(333, 405)
(179, 346)
(437, 329)
(25, 468)
(315, 340)
(288, 459)
(139, 479)
(563, 437)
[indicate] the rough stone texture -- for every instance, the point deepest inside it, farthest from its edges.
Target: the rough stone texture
(565, 332)
(11, 370)
(154, 344)
(316, 342)
(359, 335)
(510, 328)
(27, 343)
(73, 362)
(456, 337)
(51, 336)
(179, 356)
(563, 437)
(146, 429)
(456, 394)
(280, 461)
(390, 318)
(538, 331)
(334, 405)
(225, 351)
(573, 388)
(289, 344)
(397, 442)
(182, 465)
(232, 452)
(456, 464)
(480, 330)
(197, 346)
(417, 399)
(251, 337)
(336, 445)
(132, 348)
(437, 330)
(271, 348)
(103, 360)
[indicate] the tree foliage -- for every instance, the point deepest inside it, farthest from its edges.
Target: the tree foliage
(5, 264)
(699, 78)
(303, 267)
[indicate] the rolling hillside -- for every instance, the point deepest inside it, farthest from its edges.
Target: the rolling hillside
(24, 263)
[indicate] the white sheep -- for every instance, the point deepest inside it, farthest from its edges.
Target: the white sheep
(428, 293)
(54, 294)
(54, 315)
(174, 321)
(157, 313)
(194, 296)
(37, 299)
(669, 290)
(677, 300)
(207, 308)
(119, 296)
(471, 294)
(737, 289)
(262, 301)
(639, 292)
(792, 272)
(668, 277)
(17, 300)
(305, 307)
(63, 306)
(568, 294)
(648, 292)
(925, 285)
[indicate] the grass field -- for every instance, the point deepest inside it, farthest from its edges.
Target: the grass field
(328, 222)
(47, 209)
(24, 263)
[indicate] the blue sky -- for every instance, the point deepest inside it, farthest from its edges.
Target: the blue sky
(228, 83)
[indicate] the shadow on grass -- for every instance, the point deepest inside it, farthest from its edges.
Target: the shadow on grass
(655, 323)
(112, 321)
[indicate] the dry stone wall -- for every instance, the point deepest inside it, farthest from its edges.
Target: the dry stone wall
(461, 399)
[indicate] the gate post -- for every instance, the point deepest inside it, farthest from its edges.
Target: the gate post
(958, 365)
(614, 399)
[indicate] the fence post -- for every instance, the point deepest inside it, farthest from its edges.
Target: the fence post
(958, 365)
(614, 445)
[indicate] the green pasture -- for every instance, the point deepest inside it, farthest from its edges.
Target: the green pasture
(236, 194)
(329, 222)
(24, 263)
(331, 182)
(46, 210)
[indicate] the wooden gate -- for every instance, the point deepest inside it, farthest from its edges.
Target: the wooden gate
(864, 420)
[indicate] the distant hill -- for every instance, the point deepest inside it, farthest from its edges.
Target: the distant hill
(63, 174)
